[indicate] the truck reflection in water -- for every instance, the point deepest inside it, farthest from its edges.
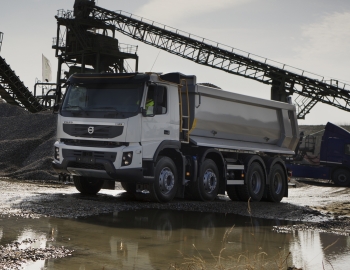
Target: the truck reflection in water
(153, 239)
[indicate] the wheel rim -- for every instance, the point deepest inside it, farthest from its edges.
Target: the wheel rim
(277, 183)
(342, 178)
(209, 181)
(166, 180)
(256, 182)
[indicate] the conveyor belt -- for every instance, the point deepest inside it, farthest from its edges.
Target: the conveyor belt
(14, 91)
(311, 88)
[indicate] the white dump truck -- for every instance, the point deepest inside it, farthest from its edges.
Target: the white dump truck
(166, 136)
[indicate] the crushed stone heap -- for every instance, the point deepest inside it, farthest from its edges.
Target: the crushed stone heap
(26, 143)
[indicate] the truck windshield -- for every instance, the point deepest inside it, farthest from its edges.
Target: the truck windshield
(102, 101)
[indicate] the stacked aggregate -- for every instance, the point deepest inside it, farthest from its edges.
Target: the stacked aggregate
(17, 254)
(26, 143)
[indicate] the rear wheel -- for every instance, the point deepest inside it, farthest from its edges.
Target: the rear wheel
(88, 185)
(277, 184)
(341, 177)
(207, 186)
(165, 183)
(254, 185)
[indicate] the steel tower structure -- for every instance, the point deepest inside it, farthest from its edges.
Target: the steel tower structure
(87, 45)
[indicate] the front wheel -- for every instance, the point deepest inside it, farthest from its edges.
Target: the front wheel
(87, 185)
(277, 184)
(341, 177)
(165, 183)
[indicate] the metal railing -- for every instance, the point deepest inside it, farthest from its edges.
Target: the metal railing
(243, 53)
(127, 48)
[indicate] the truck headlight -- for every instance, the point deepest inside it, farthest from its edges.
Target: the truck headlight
(127, 158)
(57, 153)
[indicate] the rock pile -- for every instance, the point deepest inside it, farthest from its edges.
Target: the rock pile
(17, 254)
(26, 143)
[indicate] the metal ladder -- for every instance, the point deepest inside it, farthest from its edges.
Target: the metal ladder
(184, 129)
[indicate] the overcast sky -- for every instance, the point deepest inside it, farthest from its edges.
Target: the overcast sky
(312, 35)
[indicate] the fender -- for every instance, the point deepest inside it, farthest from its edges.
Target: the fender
(148, 164)
(164, 145)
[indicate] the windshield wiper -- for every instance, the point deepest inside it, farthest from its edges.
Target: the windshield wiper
(108, 108)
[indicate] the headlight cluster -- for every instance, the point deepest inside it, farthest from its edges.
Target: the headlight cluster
(57, 153)
(127, 158)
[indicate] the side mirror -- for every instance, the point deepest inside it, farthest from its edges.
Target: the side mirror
(56, 108)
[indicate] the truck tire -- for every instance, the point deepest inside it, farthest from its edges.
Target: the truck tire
(254, 185)
(165, 183)
(341, 177)
(206, 188)
(277, 184)
(87, 185)
(129, 187)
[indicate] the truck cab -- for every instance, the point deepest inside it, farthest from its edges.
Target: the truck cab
(335, 153)
(335, 145)
(110, 126)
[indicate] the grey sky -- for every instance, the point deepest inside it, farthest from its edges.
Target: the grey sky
(311, 35)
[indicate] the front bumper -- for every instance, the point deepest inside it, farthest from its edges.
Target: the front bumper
(131, 175)
(100, 163)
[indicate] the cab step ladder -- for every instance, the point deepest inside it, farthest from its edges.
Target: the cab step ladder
(184, 119)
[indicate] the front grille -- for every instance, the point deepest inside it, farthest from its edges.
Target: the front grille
(79, 165)
(89, 143)
(93, 131)
(66, 153)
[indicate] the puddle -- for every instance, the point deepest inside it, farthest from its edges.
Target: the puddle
(156, 239)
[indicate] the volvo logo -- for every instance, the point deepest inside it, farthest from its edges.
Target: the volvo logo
(91, 130)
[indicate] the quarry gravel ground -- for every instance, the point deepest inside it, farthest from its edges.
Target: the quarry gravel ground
(322, 205)
(29, 189)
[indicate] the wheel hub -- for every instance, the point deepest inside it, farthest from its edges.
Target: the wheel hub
(277, 183)
(209, 181)
(256, 183)
(166, 180)
(342, 178)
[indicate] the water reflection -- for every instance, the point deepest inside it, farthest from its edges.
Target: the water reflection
(152, 239)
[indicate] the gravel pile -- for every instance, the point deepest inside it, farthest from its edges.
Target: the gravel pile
(26, 143)
(15, 255)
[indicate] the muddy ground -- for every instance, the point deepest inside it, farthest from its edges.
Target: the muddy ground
(314, 205)
(325, 206)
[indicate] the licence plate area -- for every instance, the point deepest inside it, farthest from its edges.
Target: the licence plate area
(86, 157)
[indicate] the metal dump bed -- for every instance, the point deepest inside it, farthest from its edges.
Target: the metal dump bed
(224, 119)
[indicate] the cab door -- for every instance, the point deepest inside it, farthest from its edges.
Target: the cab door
(158, 121)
